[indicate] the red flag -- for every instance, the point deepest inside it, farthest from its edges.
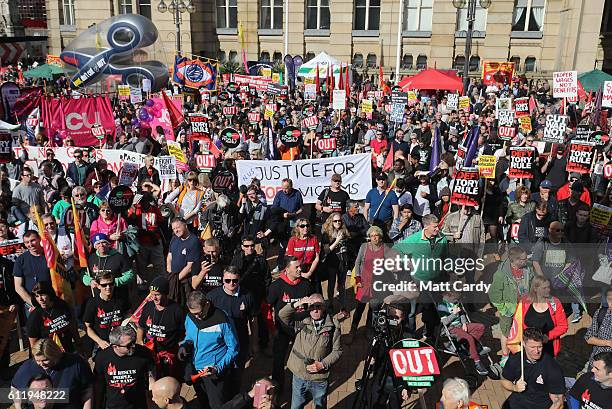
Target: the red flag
(532, 104)
(383, 85)
(327, 81)
(317, 80)
(333, 79)
(341, 79)
(389, 160)
(79, 240)
(347, 85)
(176, 116)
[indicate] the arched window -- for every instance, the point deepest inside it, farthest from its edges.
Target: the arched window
(222, 56)
(530, 64)
(474, 63)
(459, 62)
(277, 57)
(308, 57)
(371, 61)
(233, 56)
(421, 62)
(517, 62)
(407, 61)
(265, 56)
(358, 60)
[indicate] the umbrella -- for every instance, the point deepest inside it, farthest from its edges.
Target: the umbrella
(593, 80)
(46, 71)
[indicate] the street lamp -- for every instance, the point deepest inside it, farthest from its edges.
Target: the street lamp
(471, 17)
(177, 7)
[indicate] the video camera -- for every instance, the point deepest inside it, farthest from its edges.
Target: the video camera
(382, 323)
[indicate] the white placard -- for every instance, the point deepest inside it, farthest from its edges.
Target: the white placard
(452, 101)
(309, 176)
(167, 167)
(339, 99)
(565, 84)
(606, 98)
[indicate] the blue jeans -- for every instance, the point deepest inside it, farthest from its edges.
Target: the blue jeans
(301, 388)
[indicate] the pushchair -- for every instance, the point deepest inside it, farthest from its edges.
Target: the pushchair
(447, 343)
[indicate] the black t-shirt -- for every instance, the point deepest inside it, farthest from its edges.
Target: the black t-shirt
(166, 327)
(240, 308)
(542, 321)
(213, 279)
(590, 393)
(104, 315)
(72, 373)
(55, 320)
(423, 155)
(335, 200)
(283, 292)
(557, 173)
(543, 377)
(114, 263)
(125, 379)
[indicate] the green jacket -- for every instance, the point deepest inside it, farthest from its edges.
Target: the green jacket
(516, 211)
(120, 281)
(504, 288)
(426, 261)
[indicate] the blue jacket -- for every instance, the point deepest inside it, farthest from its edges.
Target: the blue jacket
(214, 340)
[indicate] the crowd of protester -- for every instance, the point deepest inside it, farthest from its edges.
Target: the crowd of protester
(232, 277)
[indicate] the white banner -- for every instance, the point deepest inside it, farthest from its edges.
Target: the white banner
(309, 176)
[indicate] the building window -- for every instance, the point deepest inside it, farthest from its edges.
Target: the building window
(459, 63)
(417, 15)
(32, 9)
(421, 62)
(480, 19)
(358, 60)
(371, 61)
(367, 14)
(222, 57)
(277, 57)
(271, 15)
(265, 56)
(530, 64)
(67, 17)
(528, 15)
(317, 14)
(227, 13)
(233, 57)
(407, 61)
(309, 56)
(474, 63)
(125, 6)
(517, 62)
(144, 8)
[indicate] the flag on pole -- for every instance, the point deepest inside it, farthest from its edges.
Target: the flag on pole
(79, 239)
(435, 152)
(472, 147)
(318, 80)
(175, 114)
(389, 160)
(515, 337)
(341, 78)
(383, 85)
(347, 85)
(60, 284)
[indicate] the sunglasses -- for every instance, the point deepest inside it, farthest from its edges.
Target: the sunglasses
(231, 280)
(304, 226)
(106, 210)
(315, 307)
(78, 157)
(128, 346)
(106, 285)
(248, 245)
(337, 221)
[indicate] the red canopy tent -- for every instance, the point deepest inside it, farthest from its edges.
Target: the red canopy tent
(432, 79)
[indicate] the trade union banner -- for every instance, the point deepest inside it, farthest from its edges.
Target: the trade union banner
(309, 176)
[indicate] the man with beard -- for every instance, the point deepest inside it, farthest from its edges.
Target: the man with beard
(88, 212)
(161, 327)
(124, 372)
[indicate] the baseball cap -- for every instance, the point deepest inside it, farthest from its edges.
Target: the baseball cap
(382, 176)
(98, 237)
(577, 186)
(546, 184)
(160, 284)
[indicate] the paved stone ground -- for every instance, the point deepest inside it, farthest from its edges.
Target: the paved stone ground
(573, 355)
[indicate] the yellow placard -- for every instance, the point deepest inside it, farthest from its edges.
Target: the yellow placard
(266, 72)
(486, 166)
(276, 77)
(366, 106)
(600, 215)
(464, 102)
(525, 124)
(54, 59)
(309, 80)
(268, 113)
(174, 149)
(412, 96)
(123, 90)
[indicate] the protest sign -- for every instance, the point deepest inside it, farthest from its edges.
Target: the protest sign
(120, 198)
(607, 170)
(199, 125)
(223, 96)
(525, 124)
(465, 190)
(486, 166)
(600, 138)
(310, 122)
(521, 107)
(128, 173)
(378, 95)
(464, 103)
(521, 162)
(565, 84)
(460, 157)
(146, 85)
(224, 181)
(580, 157)
(554, 131)
(415, 363)
(505, 117)
(309, 110)
(167, 167)
(452, 101)
(123, 91)
(399, 98)
(174, 149)
(326, 144)
(310, 176)
(606, 98)
(339, 99)
(135, 95)
(310, 92)
(232, 87)
(600, 216)
(366, 106)
(6, 146)
(98, 132)
(290, 136)
(274, 89)
(506, 133)
(9, 249)
(583, 132)
(205, 162)
(254, 117)
(230, 137)
(397, 113)
(230, 110)
(502, 104)
(412, 97)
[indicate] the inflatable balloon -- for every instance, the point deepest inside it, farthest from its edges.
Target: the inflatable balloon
(125, 45)
(145, 125)
(143, 114)
(150, 103)
(157, 113)
(158, 105)
(135, 121)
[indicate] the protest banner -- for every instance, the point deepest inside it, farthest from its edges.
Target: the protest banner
(600, 216)
(339, 99)
(310, 122)
(452, 101)
(164, 120)
(505, 117)
(199, 126)
(128, 173)
(496, 72)
(259, 82)
(230, 137)
(167, 167)
(135, 95)
(583, 132)
(123, 91)
(521, 107)
(521, 162)
(525, 124)
(310, 176)
(366, 106)
(554, 130)
(580, 157)
(606, 98)
(464, 103)
(205, 162)
(326, 144)
(414, 363)
(565, 84)
(466, 189)
(486, 166)
(506, 133)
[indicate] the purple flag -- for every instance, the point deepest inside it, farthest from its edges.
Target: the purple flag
(472, 147)
(435, 152)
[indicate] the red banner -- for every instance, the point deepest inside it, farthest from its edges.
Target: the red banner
(77, 117)
(497, 72)
(521, 163)
(465, 191)
(260, 83)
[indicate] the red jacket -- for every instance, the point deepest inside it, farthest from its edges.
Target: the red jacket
(557, 314)
(564, 192)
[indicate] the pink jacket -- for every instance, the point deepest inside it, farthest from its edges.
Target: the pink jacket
(100, 226)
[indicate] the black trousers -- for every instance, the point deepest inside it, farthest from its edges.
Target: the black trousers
(211, 392)
(280, 348)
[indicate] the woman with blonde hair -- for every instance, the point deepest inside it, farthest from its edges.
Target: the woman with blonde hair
(545, 312)
(336, 258)
(305, 247)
